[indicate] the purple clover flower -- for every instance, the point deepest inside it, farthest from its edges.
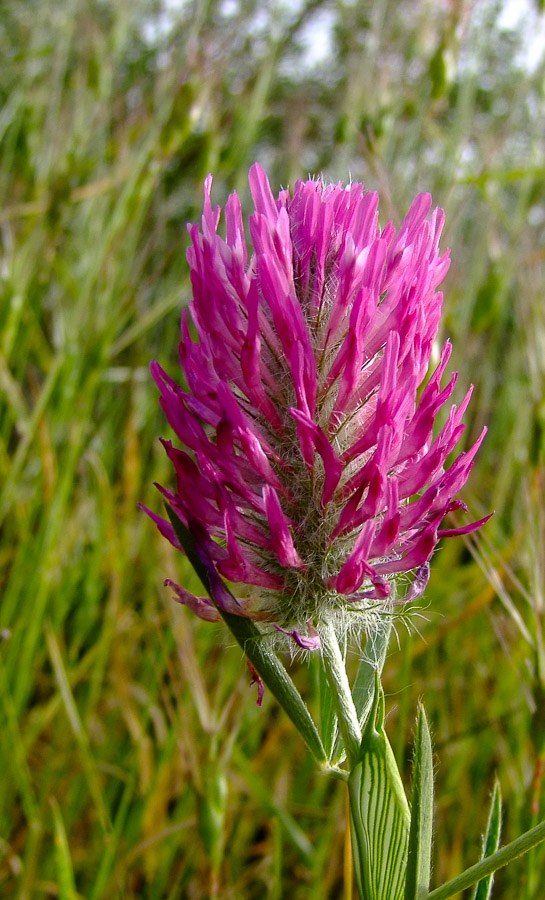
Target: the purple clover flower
(313, 478)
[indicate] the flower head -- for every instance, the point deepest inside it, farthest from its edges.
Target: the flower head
(310, 473)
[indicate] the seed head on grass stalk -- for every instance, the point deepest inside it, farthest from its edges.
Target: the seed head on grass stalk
(307, 470)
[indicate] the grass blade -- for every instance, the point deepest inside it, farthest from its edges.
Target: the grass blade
(491, 842)
(78, 730)
(65, 872)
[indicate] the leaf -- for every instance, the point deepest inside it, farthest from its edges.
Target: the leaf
(491, 842)
(421, 832)
(379, 812)
(251, 639)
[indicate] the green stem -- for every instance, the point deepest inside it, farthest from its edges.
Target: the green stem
(339, 686)
(254, 645)
(274, 675)
(489, 865)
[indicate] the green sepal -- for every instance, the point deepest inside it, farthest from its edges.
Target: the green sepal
(379, 812)
(251, 639)
(491, 842)
(417, 882)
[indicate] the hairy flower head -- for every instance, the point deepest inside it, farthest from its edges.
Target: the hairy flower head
(307, 469)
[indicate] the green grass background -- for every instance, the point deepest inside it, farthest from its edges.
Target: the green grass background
(134, 762)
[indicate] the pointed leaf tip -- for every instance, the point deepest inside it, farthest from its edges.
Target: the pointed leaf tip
(421, 831)
(491, 842)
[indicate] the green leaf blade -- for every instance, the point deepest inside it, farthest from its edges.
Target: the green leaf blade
(483, 889)
(421, 832)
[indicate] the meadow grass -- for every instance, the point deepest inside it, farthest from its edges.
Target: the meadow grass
(125, 722)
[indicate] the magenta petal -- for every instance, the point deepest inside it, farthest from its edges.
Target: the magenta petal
(256, 679)
(262, 194)
(222, 597)
(254, 372)
(251, 442)
(303, 369)
(282, 541)
(201, 606)
(234, 227)
(419, 583)
(390, 528)
(240, 567)
(465, 529)
(416, 556)
(313, 438)
(306, 642)
(373, 479)
(356, 568)
(165, 528)
(380, 591)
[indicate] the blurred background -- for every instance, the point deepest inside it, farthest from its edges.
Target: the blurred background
(134, 762)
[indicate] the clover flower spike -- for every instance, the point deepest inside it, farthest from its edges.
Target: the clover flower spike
(307, 469)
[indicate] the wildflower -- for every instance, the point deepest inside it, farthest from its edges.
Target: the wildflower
(313, 479)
